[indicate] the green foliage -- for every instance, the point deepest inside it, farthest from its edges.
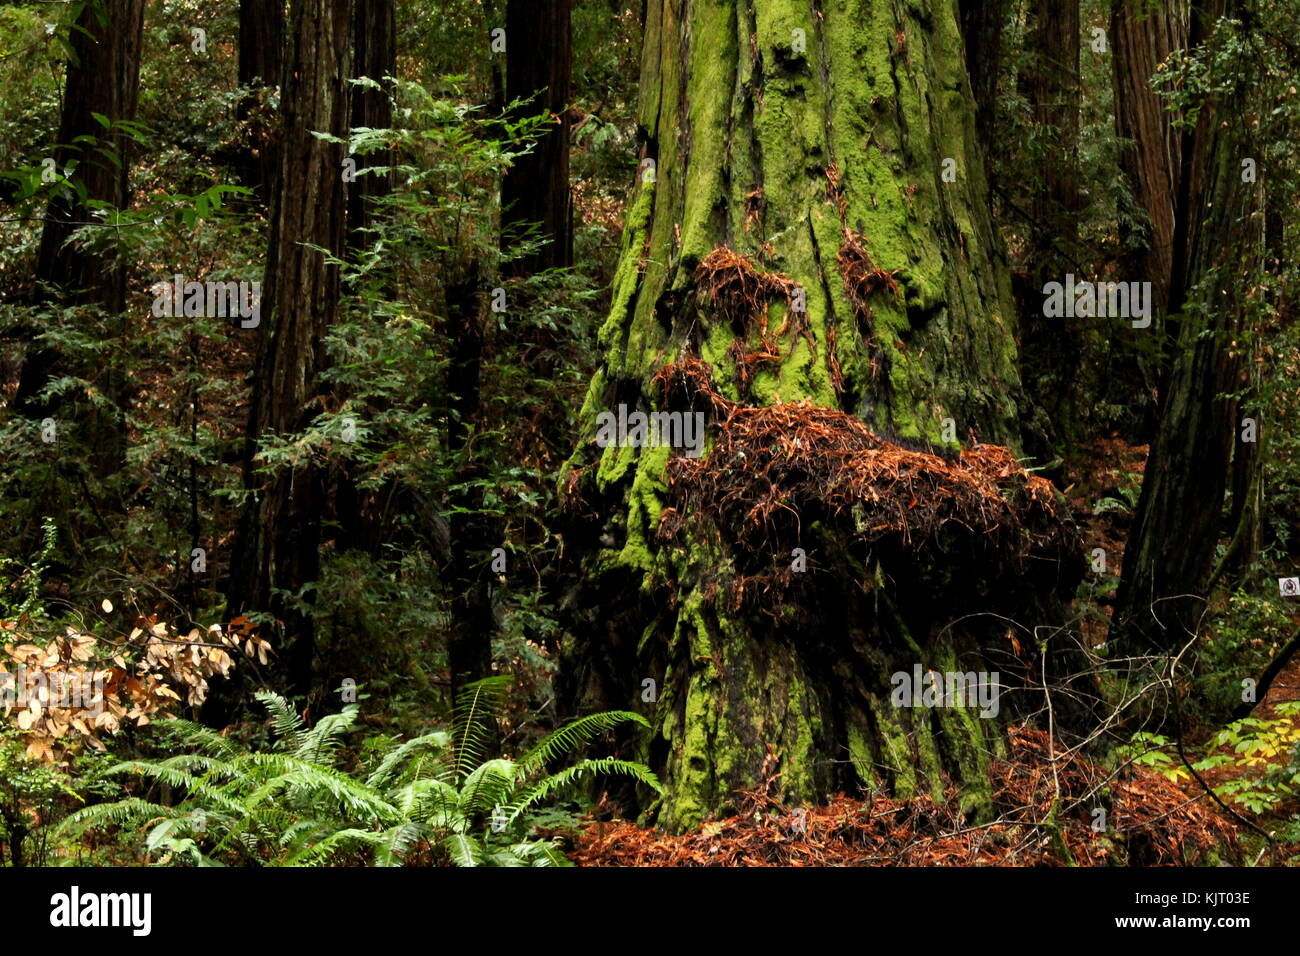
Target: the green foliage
(1265, 759)
(1239, 643)
(1152, 750)
(433, 797)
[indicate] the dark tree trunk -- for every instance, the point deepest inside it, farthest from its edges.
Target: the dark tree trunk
(359, 512)
(539, 62)
(472, 534)
(261, 56)
(102, 77)
(1143, 35)
(1218, 241)
(982, 24)
(279, 536)
(374, 38)
(1054, 92)
(1053, 347)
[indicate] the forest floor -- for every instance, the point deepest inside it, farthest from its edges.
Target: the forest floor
(1045, 818)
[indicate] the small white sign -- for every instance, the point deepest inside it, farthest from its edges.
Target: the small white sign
(1290, 587)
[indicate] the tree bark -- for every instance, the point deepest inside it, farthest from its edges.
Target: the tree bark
(102, 77)
(1142, 37)
(279, 536)
(261, 59)
(1053, 348)
(539, 62)
(982, 23)
(1218, 244)
(819, 161)
(374, 38)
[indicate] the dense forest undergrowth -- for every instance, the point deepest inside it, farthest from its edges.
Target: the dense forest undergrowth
(680, 432)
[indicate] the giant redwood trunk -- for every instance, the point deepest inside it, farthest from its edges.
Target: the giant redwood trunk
(277, 548)
(808, 263)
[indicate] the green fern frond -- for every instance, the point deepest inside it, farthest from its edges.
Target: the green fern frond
(314, 853)
(186, 733)
(321, 743)
(536, 853)
(391, 850)
(309, 779)
(491, 784)
(288, 723)
(565, 778)
(573, 735)
(464, 850)
(393, 762)
(476, 707)
(132, 810)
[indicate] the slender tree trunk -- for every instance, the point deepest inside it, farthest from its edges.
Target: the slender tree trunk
(1053, 347)
(358, 512)
(279, 537)
(835, 148)
(472, 534)
(102, 78)
(1142, 37)
(1218, 242)
(982, 23)
(539, 61)
(261, 57)
(374, 38)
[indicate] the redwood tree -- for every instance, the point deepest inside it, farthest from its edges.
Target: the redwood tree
(277, 547)
(1142, 36)
(1218, 245)
(808, 259)
(261, 40)
(539, 63)
(102, 78)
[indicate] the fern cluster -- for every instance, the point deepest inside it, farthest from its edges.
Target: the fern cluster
(292, 805)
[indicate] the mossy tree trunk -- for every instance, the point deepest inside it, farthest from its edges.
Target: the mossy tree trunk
(820, 141)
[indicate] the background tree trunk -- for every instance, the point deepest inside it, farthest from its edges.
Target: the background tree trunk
(982, 24)
(1218, 237)
(102, 77)
(359, 512)
(279, 537)
(823, 160)
(261, 58)
(1142, 37)
(374, 39)
(1053, 347)
(539, 61)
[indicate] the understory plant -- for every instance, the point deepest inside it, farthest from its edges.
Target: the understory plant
(433, 798)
